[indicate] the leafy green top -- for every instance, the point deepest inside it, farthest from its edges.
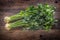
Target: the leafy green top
(39, 17)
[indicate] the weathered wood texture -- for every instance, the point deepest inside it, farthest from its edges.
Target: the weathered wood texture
(11, 7)
(30, 35)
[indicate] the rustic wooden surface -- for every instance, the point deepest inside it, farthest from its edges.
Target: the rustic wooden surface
(30, 35)
(11, 7)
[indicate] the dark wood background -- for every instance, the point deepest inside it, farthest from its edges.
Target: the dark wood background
(11, 7)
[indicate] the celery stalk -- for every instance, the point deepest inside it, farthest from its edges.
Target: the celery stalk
(18, 23)
(14, 17)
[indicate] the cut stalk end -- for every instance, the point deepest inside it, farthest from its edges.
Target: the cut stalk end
(7, 26)
(6, 19)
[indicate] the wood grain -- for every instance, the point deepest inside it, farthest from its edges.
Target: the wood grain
(11, 7)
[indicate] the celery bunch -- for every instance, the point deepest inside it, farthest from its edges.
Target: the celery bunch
(34, 18)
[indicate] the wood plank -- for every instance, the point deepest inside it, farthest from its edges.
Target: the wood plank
(30, 35)
(57, 15)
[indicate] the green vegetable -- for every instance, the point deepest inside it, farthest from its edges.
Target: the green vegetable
(34, 18)
(19, 23)
(14, 17)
